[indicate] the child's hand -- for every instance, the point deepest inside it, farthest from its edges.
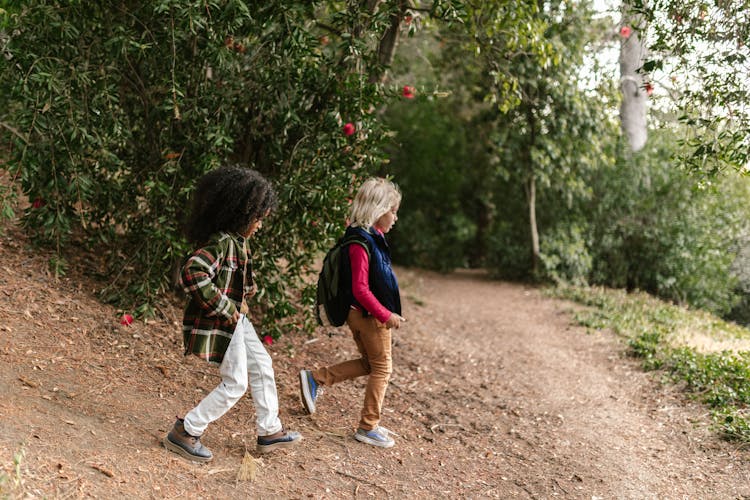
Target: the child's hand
(236, 317)
(251, 293)
(394, 321)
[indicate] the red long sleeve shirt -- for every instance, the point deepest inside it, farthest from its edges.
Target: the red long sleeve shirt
(361, 284)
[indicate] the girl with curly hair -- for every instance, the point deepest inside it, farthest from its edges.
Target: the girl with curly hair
(229, 205)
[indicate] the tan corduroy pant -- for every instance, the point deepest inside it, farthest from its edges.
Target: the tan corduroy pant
(373, 341)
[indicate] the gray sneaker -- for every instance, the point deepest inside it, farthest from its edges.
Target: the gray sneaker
(376, 437)
(387, 431)
(182, 443)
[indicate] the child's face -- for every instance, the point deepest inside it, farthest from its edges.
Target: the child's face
(254, 226)
(387, 220)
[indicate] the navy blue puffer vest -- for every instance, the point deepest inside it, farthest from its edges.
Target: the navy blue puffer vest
(383, 283)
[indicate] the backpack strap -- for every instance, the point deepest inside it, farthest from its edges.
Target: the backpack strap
(359, 240)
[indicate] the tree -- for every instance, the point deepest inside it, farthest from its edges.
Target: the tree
(699, 52)
(515, 120)
(632, 86)
(547, 128)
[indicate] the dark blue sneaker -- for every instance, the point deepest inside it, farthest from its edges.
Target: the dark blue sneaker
(308, 390)
(290, 438)
(376, 437)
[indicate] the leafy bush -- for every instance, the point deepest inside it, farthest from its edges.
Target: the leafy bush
(509, 254)
(741, 269)
(433, 167)
(646, 346)
(656, 229)
(565, 255)
(720, 377)
(117, 109)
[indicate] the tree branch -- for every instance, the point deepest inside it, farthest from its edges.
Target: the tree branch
(14, 132)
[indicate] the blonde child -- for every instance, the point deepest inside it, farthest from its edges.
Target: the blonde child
(375, 309)
(229, 206)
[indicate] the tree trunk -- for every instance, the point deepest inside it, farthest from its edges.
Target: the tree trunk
(530, 187)
(531, 197)
(388, 43)
(632, 55)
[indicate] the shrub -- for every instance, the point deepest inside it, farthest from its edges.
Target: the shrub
(117, 109)
(657, 229)
(565, 255)
(431, 164)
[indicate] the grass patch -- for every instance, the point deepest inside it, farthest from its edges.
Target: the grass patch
(11, 485)
(709, 356)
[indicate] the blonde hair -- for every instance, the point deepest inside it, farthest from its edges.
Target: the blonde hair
(376, 197)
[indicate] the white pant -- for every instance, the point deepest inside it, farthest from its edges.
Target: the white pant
(245, 356)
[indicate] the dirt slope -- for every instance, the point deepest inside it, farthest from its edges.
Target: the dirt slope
(495, 395)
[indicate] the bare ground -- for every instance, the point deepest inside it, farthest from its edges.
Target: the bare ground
(495, 394)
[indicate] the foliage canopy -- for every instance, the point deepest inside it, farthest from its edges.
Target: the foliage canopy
(115, 110)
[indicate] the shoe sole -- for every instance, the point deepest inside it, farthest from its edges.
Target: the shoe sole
(304, 387)
(379, 444)
(265, 448)
(176, 448)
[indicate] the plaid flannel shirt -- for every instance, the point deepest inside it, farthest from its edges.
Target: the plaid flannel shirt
(215, 277)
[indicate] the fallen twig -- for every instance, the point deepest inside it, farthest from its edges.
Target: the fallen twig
(103, 470)
(346, 474)
(28, 383)
(446, 425)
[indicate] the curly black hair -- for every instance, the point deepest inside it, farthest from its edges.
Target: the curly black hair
(228, 199)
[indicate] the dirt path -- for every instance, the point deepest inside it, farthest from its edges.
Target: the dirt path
(494, 395)
(573, 416)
